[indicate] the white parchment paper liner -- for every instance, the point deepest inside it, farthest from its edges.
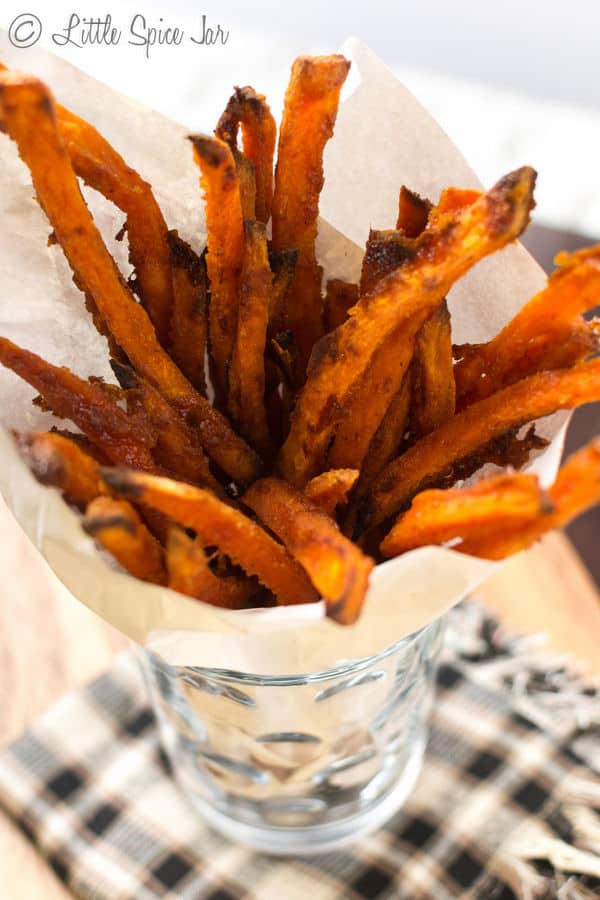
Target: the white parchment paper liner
(383, 139)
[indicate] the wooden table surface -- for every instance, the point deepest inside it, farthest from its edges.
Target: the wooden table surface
(43, 628)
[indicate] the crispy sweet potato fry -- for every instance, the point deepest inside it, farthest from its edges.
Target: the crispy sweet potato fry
(365, 407)
(438, 516)
(533, 397)
(577, 487)
(413, 213)
(408, 296)
(434, 388)
(247, 179)
(283, 266)
(284, 354)
(259, 131)
(225, 248)
(219, 524)
(340, 297)
(540, 335)
(331, 488)
(452, 200)
(103, 169)
(433, 384)
(385, 252)
(190, 573)
(125, 439)
(310, 109)
(177, 448)
(116, 525)
(247, 373)
(388, 438)
(337, 568)
(28, 111)
(187, 342)
(58, 461)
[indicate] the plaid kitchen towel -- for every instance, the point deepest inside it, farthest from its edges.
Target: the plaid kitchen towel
(507, 806)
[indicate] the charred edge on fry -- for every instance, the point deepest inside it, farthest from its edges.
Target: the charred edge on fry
(183, 257)
(94, 525)
(122, 481)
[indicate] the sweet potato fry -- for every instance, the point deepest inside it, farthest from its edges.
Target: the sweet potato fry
(331, 488)
(28, 111)
(187, 341)
(533, 397)
(219, 524)
(434, 388)
(388, 438)
(259, 131)
(438, 516)
(118, 528)
(283, 266)
(337, 568)
(434, 391)
(176, 449)
(247, 179)
(577, 487)
(190, 573)
(125, 439)
(58, 461)
(385, 252)
(247, 373)
(284, 354)
(406, 297)
(413, 213)
(365, 407)
(433, 399)
(340, 297)
(103, 169)
(310, 109)
(452, 200)
(539, 336)
(225, 248)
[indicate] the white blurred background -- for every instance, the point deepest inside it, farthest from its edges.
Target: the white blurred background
(512, 82)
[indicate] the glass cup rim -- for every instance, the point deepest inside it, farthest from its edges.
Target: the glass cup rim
(351, 666)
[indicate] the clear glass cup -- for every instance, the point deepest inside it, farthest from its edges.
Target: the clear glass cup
(301, 763)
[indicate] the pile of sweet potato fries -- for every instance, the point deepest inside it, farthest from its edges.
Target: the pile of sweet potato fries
(333, 426)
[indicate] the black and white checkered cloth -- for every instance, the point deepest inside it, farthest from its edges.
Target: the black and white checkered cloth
(507, 805)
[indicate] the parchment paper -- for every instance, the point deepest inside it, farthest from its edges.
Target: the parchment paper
(383, 138)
